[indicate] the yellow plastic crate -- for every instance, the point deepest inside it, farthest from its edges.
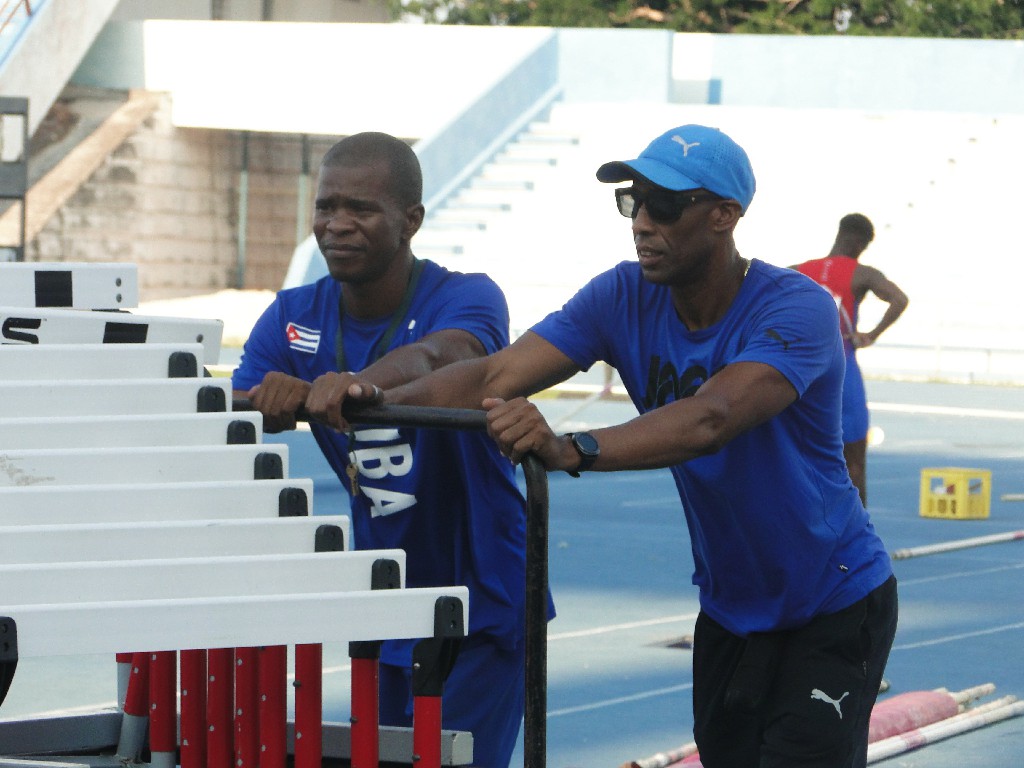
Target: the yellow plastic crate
(956, 493)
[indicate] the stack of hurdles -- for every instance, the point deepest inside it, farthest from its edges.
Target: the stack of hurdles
(140, 517)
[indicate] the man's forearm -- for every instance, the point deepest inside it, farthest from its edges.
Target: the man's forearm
(418, 359)
(459, 385)
(891, 315)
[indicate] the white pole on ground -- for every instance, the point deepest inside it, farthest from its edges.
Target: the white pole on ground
(664, 759)
(971, 694)
(1001, 709)
(949, 546)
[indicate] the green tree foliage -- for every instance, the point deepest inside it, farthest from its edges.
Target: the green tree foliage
(994, 19)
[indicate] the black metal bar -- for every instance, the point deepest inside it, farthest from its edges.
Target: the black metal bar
(424, 417)
(535, 716)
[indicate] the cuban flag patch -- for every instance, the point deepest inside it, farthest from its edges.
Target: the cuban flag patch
(302, 339)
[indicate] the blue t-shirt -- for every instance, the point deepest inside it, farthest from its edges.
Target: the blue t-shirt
(777, 529)
(448, 498)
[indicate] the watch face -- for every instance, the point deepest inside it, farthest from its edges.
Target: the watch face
(586, 444)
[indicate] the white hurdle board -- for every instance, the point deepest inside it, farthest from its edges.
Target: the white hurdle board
(72, 284)
(181, 429)
(27, 325)
(231, 622)
(96, 397)
(84, 466)
(194, 577)
(168, 540)
(21, 362)
(149, 502)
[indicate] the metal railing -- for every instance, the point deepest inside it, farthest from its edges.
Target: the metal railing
(944, 362)
(13, 16)
(9, 8)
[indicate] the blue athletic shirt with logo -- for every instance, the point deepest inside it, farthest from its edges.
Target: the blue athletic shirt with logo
(778, 532)
(446, 497)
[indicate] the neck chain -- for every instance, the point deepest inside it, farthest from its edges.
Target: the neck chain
(396, 319)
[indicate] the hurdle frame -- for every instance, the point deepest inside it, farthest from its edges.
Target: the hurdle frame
(534, 729)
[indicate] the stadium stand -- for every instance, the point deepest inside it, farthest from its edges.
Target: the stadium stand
(536, 220)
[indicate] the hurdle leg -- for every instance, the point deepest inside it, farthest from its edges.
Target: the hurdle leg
(273, 705)
(365, 719)
(432, 661)
(308, 705)
(220, 706)
(247, 734)
(163, 709)
(136, 701)
(8, 654)
(426, 731)
(193, 709)
(124, 674)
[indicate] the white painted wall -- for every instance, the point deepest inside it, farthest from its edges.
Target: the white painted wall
(331, 79)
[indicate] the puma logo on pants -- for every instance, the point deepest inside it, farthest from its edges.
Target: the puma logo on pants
(820, 695)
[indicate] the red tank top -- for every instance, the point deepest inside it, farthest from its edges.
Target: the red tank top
(835, 274)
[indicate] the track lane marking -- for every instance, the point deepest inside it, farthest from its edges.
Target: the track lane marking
(619, 700)
(627, 625)
(961, 636)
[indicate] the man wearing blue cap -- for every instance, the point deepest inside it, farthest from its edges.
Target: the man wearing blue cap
(736, 368)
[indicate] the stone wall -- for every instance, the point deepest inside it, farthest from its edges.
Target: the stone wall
(275, 168)
(167, 199)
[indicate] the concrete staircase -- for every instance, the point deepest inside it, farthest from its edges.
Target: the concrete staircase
(60, 169)
(491, 224)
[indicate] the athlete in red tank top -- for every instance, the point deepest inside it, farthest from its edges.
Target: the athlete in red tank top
(849, 281)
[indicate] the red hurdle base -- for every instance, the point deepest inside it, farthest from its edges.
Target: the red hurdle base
(95, 734)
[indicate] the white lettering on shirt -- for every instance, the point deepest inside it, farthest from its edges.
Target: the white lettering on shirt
(379, 462)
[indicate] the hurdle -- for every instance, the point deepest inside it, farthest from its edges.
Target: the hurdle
(233, 622)
(192, 538)
(142, 502)
(228, 622)
(78, 466)
(96, 397)
(195, 577)
(102, 361)
(28, 325)
(140, 430)
(70, 284)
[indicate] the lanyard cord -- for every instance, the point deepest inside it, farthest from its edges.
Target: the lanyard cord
(396, 319)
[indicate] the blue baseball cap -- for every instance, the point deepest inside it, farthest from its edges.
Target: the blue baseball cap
(690, 157)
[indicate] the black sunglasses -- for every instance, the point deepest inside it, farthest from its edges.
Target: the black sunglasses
(663, 206)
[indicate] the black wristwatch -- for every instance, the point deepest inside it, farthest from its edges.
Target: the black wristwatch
(588, 449)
